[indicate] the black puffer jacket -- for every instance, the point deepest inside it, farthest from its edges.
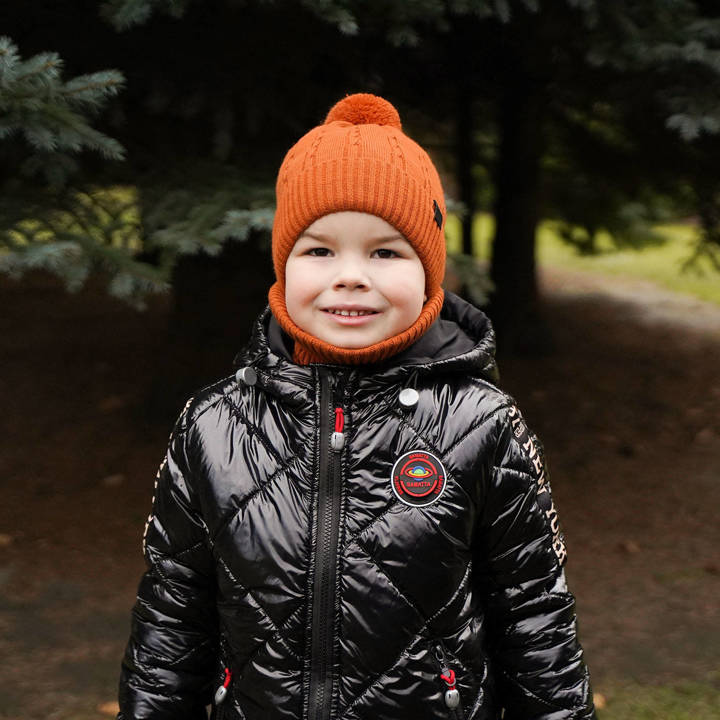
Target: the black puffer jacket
(342, 538)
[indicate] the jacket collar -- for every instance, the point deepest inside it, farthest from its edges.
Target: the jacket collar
(461, 340)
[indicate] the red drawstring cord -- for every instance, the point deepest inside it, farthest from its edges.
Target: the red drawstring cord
(339, 420)
(449, 679)
(228, 678)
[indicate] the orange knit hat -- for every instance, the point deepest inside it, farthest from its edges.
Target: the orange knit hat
(359, 159)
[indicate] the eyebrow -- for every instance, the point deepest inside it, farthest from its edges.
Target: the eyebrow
(327, 238)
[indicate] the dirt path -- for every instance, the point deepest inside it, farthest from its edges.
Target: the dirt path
(648, 303)
(630, 413)
(628, 407)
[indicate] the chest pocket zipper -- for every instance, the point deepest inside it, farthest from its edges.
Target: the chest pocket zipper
(448, 678)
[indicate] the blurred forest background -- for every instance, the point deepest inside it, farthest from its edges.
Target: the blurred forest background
(579, 144)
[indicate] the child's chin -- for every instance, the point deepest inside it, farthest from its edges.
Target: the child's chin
(356, 343)
(353, 339)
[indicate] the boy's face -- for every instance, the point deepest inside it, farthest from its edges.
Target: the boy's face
(357, 264)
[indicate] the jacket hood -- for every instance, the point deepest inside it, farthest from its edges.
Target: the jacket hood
(461, 340)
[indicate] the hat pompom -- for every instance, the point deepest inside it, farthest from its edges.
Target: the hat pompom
(364, 109)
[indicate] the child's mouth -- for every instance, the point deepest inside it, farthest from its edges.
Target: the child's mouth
(350, 317)
(351, 313)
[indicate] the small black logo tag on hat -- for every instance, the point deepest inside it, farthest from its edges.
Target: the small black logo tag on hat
(437, 214)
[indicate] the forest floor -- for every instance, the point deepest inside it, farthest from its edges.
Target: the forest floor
(627, 405)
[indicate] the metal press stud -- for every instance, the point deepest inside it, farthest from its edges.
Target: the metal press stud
(247, 376)
(408, 398)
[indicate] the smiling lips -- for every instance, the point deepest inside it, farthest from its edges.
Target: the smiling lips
(351, 316)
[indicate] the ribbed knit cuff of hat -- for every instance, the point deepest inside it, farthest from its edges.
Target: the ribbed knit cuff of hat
(309, 349)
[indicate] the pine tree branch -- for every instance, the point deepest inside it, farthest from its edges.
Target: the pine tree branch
(53, 63)
(51, 115)
(104, 87)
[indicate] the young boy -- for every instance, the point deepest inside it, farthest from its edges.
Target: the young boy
(358, 524)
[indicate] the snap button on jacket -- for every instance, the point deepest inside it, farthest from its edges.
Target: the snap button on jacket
(324, 550)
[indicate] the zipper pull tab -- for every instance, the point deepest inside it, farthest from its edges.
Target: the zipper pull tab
(452, 698)
(222, 691)
(440, 655)
(337, 439)
(447, 674)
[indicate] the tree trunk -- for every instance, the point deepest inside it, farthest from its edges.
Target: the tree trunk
(514, 302)
(215, 302)
(465, 158)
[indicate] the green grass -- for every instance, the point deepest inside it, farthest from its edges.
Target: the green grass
(682, 701)
(661, 264)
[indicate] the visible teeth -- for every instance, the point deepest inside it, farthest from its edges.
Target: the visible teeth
(351, 313)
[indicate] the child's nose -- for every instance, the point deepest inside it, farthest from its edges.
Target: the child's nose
(351, 276)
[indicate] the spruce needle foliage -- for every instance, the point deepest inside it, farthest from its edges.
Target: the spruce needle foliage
(124, 14)
(623, 101)
(51, 115)
(103, 230)
(74, 233)
(45, 223)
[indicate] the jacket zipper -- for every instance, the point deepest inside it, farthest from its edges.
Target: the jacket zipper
(326, 544)
(223, 689)
(451, 696)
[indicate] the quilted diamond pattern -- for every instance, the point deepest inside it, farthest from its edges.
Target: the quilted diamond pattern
(244, 528)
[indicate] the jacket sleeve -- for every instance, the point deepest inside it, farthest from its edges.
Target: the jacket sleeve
(170, 661)
(520, 553)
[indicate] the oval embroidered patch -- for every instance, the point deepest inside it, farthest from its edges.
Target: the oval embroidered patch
(418, 478)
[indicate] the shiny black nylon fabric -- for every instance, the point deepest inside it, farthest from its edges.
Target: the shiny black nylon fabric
(231, 549)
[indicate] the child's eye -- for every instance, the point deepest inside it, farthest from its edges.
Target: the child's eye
(319, 252)
(386, 253)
